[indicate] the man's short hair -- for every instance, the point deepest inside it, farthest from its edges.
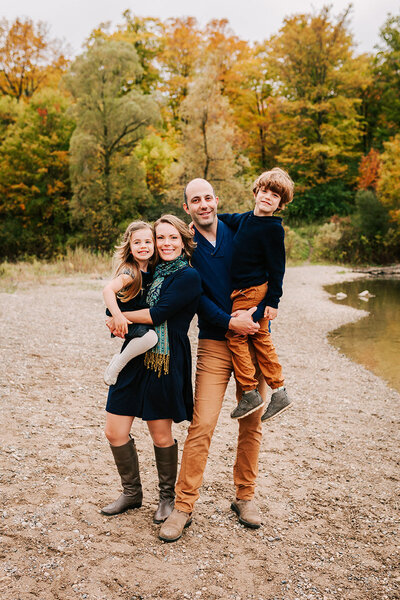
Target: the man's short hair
(278, 181)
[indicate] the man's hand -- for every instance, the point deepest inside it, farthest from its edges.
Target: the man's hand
(242, 323)
(270, 313)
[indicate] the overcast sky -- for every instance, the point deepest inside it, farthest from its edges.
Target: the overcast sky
(252, 20)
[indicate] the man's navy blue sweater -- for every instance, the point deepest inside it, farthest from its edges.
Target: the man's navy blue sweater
(258, 253)
(214, 268)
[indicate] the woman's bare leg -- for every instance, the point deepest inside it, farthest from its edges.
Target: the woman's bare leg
(161, 432)
(117, 429)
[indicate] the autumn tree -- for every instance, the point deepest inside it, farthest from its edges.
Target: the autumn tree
(34, 178)
(208, 140)
(146, 36)
(312, 64)
(182, 45)
(156, 156)
(389, 182)
(108, 183)
(256, 108)
(387, 80)
(9, 111)
(29, 59)
(368, 171)
(222, 50)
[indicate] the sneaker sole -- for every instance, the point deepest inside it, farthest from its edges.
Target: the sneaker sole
(276, 414)
(168, 540)
(242, 521)
(250, 412)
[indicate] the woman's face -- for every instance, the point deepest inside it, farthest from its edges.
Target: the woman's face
(168, 241)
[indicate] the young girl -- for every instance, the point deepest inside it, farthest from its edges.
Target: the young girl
(127, 291)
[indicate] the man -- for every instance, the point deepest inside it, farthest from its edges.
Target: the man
(212, 259)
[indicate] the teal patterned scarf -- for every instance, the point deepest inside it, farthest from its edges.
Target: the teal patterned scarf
(157, 358)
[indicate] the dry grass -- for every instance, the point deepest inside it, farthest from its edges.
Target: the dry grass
(74, 262)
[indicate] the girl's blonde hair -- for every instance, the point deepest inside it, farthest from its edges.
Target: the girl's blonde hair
(187, 236)
(124, 261)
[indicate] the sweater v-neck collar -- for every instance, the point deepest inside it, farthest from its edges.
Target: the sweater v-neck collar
(199, 237)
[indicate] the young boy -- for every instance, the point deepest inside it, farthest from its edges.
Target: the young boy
(258, 267)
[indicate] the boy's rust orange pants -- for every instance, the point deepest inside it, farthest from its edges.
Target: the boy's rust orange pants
(265, 351)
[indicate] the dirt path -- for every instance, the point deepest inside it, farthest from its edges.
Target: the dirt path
(326, 489)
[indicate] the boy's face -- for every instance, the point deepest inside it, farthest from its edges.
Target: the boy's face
(201, 203)
(267, 202)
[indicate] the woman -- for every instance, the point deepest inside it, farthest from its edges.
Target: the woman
(157, 386)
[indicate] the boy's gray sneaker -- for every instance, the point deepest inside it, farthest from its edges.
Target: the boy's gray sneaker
(249, 402)
(279, 402)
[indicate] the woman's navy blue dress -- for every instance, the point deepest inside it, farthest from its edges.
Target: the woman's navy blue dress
(140, 392)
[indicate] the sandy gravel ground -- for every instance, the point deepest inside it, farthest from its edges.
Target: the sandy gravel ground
(327, 487)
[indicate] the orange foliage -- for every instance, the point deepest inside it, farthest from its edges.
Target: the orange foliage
(369, 170)
(28, 59)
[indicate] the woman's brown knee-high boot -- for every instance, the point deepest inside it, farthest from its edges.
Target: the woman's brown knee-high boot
(167, 464)
(127, 462)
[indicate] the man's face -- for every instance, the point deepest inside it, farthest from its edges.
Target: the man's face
(201, 204)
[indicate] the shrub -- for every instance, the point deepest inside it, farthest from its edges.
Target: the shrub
(370, 218)
(327, 242)
(322, 201)
(297, 248)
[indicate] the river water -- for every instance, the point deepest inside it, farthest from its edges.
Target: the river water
(373, 341)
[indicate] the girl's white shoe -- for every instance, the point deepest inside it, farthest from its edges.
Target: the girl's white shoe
(112, 371)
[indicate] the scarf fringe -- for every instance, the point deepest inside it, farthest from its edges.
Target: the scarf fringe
(157, 362)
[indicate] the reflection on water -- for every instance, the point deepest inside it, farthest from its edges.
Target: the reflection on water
(373, 341)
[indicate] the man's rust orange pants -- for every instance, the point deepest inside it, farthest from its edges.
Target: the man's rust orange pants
(214, 369)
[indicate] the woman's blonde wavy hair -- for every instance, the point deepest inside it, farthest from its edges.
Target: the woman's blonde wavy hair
(124, 261)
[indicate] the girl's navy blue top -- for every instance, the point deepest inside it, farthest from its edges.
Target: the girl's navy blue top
(258, 253)
(139, 392)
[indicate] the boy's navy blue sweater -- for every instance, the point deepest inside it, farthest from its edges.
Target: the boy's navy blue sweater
(258, 253)
(214, 268)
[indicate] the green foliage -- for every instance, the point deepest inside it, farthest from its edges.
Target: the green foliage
(156, 156)
(9, 111)
(297, 247)
(34, 181)
(367, 237)
(326, 242)
(320, 201)
(389, 182)
(109, 187)
(370, 218)
(387, 80)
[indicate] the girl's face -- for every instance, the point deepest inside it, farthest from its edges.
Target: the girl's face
(142, 245)
(169, 242)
